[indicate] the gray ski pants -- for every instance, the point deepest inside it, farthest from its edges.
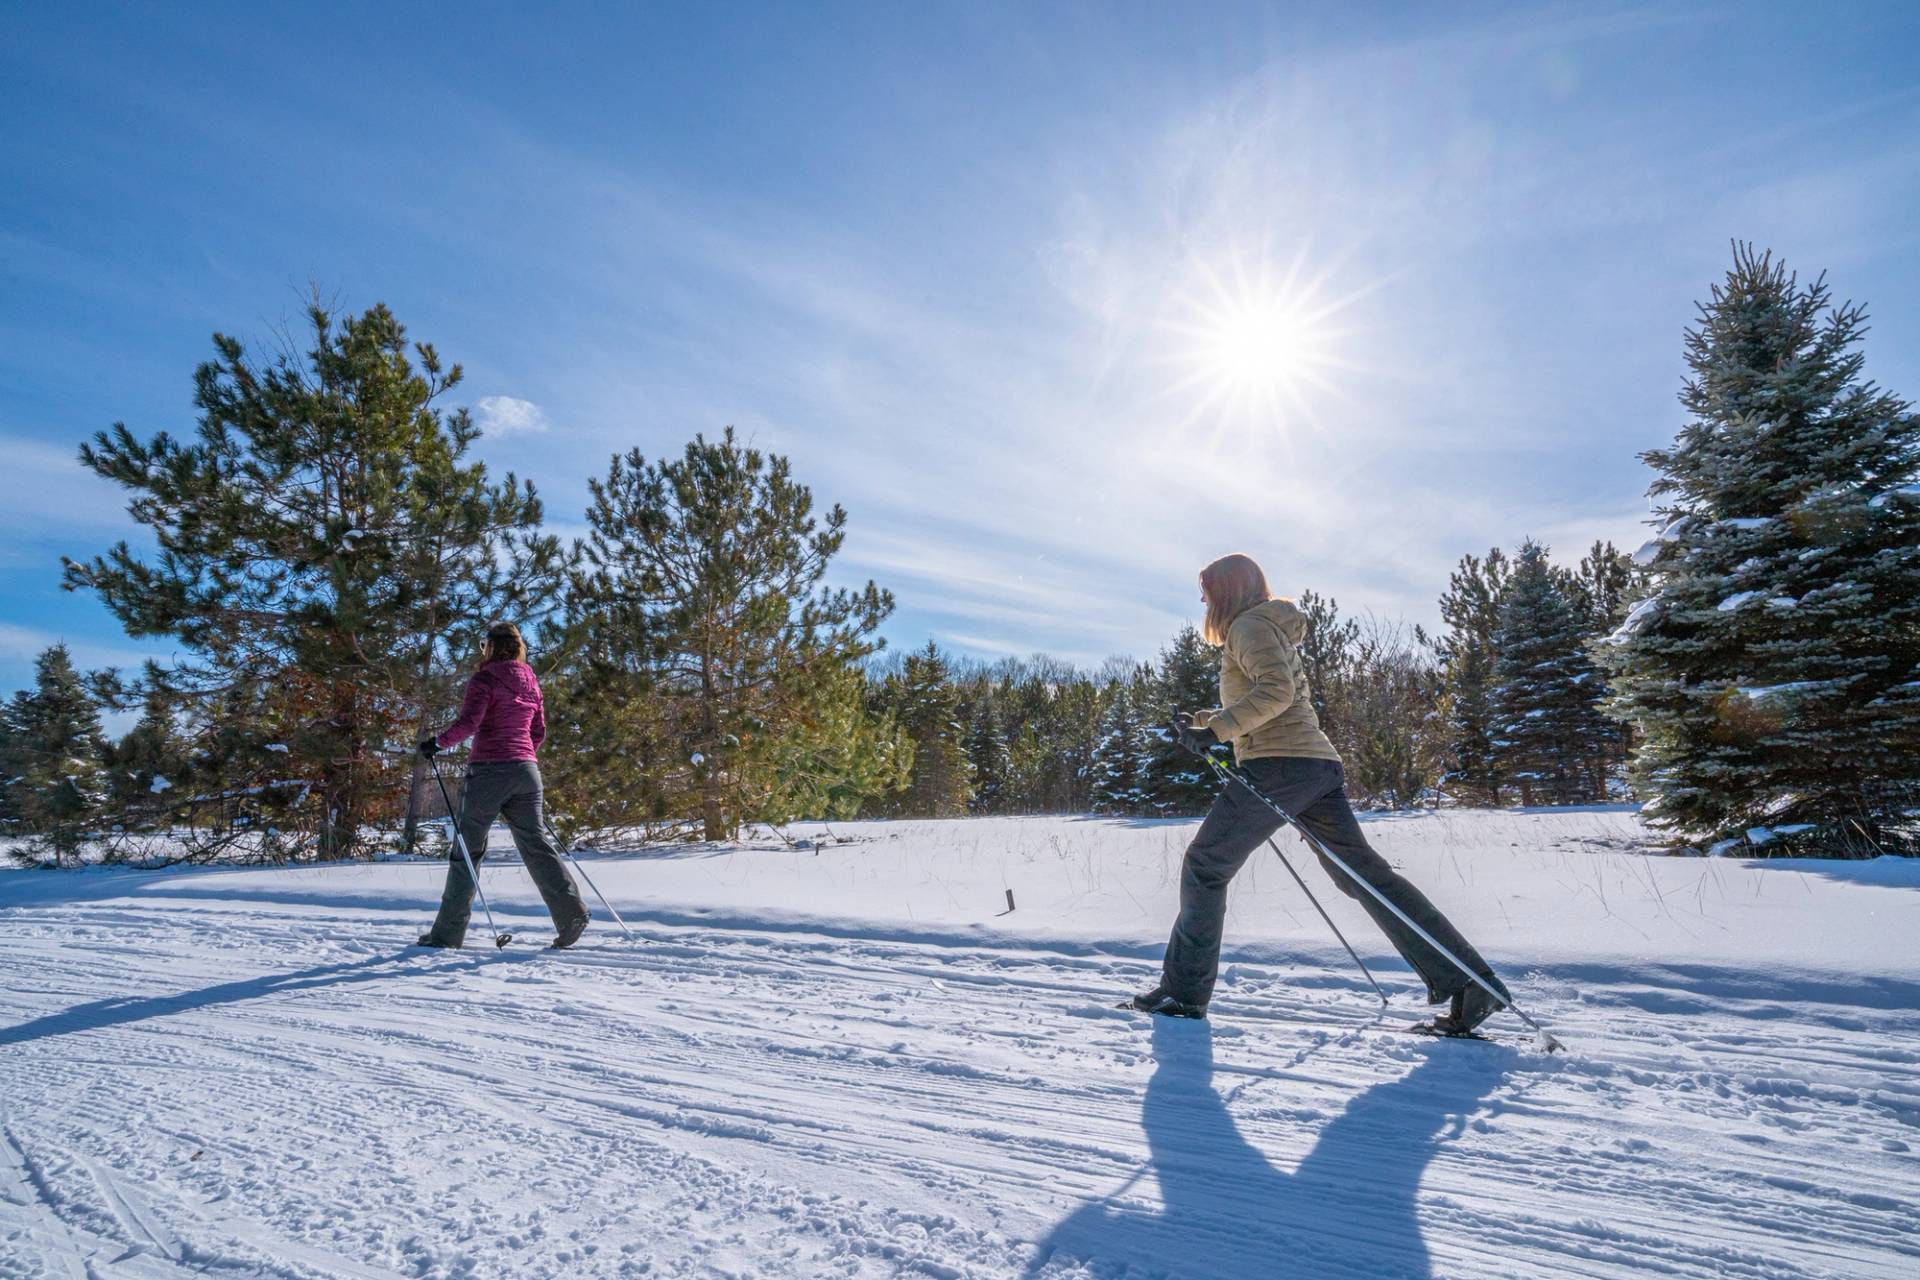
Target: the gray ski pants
(508, 789)
(1314, 792)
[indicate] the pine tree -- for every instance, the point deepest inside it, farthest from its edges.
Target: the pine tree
(1120, 781)
(835, 757)
(1326, 656)
(616, 761)
(148, 764)
(1549, 734)
(1073, 736)
(1605, 584)
(929, 706)
(700, 587)
(56, 785)
(1392, 693)
(1773, 669)
(1026, 767)
(1470, 608)
(1187, 679)
(988, 755)
(325, 543)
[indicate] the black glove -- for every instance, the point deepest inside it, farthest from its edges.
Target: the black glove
(429, 747)
(1199, 741)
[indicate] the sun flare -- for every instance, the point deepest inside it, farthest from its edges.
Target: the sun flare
(1256, 346)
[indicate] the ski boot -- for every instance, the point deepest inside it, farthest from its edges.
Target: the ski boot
(1469, 1009)
(1160, 1002)
(569, 933)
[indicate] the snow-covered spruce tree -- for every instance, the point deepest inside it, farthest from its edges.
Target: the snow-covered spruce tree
(988, 756)
(325, 543)
(1120, 779)
(1550, 737)
(1772, 670)
(928, 708)
(56, 784)
(699, 585)
(1186, 679)
(1470, 607)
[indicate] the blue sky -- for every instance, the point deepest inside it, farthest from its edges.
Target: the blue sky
(987, 273)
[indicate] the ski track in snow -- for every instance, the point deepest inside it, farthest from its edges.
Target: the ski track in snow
(282, 1092)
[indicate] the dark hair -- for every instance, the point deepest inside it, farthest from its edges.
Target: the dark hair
(504, 644)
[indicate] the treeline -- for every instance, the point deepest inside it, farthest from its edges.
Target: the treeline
(327, 555)
(693, 700)
(1505, 706)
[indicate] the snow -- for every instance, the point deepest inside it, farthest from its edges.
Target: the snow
(1635, 619)
(1879, 500)
(159, 784)
(1737, 599)
(277, 746)
(1650, 549)
(1761, 692)
(1765, 835)
(843, 1062)
(1747, 523)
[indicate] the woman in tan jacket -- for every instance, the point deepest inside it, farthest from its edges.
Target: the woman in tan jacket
(1266, 714)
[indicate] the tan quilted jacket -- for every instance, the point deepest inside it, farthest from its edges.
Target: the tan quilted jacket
(1265, 710)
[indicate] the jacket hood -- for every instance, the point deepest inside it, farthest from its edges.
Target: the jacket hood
(1285, 615)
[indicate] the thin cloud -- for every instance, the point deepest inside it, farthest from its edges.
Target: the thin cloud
(48, 490)
(508, 415)
(24, 644)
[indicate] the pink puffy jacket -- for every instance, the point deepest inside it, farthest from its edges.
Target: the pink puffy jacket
(502, 712)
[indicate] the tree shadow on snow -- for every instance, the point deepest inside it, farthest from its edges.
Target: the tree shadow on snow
(1349, 1209)
(118, 1011)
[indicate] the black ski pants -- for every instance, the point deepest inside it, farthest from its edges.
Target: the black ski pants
(507, 789)
(1314, 792)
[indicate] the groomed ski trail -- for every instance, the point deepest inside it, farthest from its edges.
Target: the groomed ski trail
(285, 1091)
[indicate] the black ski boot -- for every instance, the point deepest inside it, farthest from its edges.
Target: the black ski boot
(569, 933)
(1469, 1009)
(1158, 1001)
(428, 940)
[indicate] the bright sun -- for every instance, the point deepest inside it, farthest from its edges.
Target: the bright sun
(1254, 346)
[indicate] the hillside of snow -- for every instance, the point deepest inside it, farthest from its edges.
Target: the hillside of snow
(852, 1060)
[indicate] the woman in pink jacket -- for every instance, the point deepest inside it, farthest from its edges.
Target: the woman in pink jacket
(504, 715)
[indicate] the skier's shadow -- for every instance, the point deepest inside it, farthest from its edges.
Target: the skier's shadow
(117, 1011)
(1349, 1209)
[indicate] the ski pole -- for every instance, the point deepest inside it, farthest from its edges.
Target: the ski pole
(568, 850)
(453, 821)
(1547, 1037)
(1329, 919)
